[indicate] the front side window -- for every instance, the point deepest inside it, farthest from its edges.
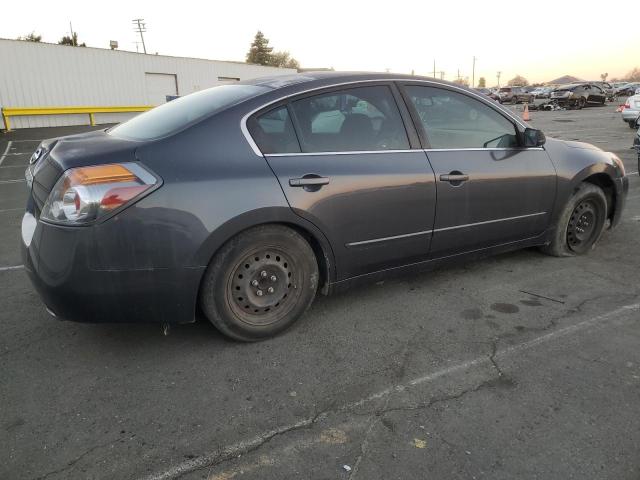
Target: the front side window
(273, 132)
(364, 119)
(452, 120)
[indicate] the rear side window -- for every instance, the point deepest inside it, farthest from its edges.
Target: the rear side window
(273, 132)
(355, 119)
(452, 120)
(177, 114)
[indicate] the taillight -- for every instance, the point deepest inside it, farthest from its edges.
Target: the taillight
(84, 194)
(626, 105)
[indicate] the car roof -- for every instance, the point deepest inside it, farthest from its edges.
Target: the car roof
(282, 81)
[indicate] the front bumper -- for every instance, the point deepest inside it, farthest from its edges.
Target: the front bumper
(58, 262)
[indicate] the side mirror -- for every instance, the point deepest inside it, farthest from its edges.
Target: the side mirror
(533, 137)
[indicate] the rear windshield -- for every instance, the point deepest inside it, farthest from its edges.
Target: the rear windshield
(505, 89)
(177, 114)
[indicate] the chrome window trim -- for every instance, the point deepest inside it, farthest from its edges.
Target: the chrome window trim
(430, 232)
(427, 150)
(256, 150)
(348, 152)
(478, 149)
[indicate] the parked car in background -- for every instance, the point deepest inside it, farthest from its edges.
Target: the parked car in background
(631, 110)
(579, 95)
(541, 92)
(242, 201)
(515, 95)
(619, 87)
(627, 89)
(632, 88)
(488, 93)
(607, 88)
(636, 140)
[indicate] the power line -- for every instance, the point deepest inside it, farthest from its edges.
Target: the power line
(140, 27)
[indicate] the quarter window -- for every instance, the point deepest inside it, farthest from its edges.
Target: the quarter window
(365, 119)
(273, 132)
(452, 120)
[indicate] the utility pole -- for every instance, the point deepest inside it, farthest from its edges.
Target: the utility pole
(498, 75)
(473, 73)
(434, 68)
(441, 74)
(140, 27)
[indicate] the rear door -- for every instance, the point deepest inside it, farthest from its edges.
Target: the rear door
(491, 191)
(345, 163)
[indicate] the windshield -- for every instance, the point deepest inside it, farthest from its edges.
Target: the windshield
(177, 114)
(505, 89)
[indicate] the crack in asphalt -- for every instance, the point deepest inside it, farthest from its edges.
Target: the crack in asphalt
(500, 380)
(76, 460)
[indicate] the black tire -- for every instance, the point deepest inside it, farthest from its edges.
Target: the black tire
(514, 100)
(632, 124)
(580, 224)
(272, 259)
(582, 102)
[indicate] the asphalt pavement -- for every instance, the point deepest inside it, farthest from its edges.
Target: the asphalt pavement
(519, 366)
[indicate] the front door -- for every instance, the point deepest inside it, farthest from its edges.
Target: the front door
(491, 191)
(345, 164)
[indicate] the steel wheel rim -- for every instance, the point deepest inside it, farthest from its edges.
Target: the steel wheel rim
(261, 287)
(582, 225)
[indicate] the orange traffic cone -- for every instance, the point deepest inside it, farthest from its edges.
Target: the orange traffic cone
(525, 114)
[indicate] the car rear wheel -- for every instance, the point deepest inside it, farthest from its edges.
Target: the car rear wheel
(514, 100)
(259, 283)
(581, 103)
(632, 124)
(580, 224)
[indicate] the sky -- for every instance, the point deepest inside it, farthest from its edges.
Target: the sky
(540, 40)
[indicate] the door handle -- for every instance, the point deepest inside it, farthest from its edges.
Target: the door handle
(454, 177)
(308, 181)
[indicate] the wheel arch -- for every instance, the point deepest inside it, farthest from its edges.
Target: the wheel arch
(602, 176)
(273, 216)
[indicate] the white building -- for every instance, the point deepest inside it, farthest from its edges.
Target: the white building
(47, 75)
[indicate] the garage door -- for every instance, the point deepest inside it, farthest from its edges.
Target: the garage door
(159, 85)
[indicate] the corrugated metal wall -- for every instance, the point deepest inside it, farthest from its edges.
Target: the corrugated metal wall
(44, 75)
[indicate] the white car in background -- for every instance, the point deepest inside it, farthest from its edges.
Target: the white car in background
(541, 92)
(631, 110)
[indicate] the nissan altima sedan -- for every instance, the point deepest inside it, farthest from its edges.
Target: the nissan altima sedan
(242, 201)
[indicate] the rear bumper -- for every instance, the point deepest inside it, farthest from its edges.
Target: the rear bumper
(57, 262)
(628, 115)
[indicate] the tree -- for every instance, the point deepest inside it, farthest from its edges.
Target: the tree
(283, 59)
(260, 51)
(603, 76)
(633, 75)
(72, 40)
(518, 81)
(462, 81)
(482, 82)
(32, 37)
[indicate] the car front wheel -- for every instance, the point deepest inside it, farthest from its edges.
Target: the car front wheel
(580, 224)
(259, 283)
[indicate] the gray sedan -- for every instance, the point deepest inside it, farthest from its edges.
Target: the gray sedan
(242, 201)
